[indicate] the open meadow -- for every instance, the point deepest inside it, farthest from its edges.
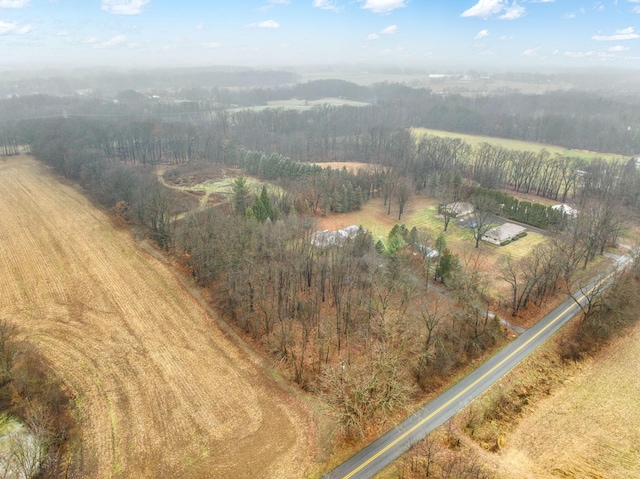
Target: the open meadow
(589, 428)
(422, 212)
(302, 105)
(159, 390)
(518, 145)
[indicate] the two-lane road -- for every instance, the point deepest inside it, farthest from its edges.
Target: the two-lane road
(394, 443)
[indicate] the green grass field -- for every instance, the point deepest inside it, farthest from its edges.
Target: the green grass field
(476, 140)
(422, 213)
(301, 105)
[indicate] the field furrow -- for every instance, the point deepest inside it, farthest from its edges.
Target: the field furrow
(161, 392)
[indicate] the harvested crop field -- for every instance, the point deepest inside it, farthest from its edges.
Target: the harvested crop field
(160, 391)
(590, 428)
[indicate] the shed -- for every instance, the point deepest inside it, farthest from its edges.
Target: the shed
(326, 238)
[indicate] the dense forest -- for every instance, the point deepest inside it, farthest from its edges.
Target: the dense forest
(596, 121)
(357, 321)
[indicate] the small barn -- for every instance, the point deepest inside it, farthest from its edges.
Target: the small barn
(566, 210)
(426, 251)
(460, 208)
(326, 238)
(504, 232)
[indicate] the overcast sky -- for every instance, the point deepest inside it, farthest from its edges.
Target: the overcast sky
(524, 34)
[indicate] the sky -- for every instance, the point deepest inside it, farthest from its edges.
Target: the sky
(527, 35)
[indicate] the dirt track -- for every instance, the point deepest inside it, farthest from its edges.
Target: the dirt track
(161, 392)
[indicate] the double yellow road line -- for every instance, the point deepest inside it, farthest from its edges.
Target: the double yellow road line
(484, 376)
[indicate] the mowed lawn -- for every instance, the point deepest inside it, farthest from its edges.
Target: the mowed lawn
(422, 212)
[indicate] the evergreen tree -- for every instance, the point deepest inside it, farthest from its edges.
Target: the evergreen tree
(262, 208)
(240, 193)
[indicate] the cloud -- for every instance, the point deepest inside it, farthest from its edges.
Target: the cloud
(7, 28)
(484, 9)
(113, 42)
(390, 30)
(513, 12)
(383, 6)
(14, 3)
(482, 34)
(272, 4)
(23, 30)
(89, 40)
(265, 24)
(580, 54)
(124, 7)
(211, 45)
(488, 8)
(623, 34)
(326, 5)
(608, 54)
(199, 26)
(636, 10)
(530, 52)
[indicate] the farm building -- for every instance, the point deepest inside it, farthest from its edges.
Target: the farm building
(460, 208)
(326, 238)
(566, 210)
(429, 253)
(504, 232)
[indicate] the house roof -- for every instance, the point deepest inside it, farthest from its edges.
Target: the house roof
(460, 207)
(326, 238)
(504, 232)
(566, 210)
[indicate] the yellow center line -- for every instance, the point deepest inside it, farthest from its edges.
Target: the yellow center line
(465, 390)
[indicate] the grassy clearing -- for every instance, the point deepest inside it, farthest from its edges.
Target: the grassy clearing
(352, 166)
(476, 140)
(421, 212)
(588, 428)
(301, 105)
(217, 189)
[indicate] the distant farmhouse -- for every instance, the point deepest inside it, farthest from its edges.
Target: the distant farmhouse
(326, 238)
(499, 234)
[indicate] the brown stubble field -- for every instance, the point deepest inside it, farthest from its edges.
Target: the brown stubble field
(160, 391)
(588, 428)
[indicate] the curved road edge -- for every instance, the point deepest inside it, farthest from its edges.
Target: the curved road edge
(382, 452)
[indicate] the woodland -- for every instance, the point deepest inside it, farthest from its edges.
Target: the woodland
(357, 323)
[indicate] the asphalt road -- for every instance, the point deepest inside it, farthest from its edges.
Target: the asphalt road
(394, 443)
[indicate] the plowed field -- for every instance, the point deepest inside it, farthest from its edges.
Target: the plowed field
(161, 392)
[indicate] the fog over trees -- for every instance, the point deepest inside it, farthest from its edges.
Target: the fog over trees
(357, 321)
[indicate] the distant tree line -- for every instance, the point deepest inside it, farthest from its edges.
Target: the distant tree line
(573, 119)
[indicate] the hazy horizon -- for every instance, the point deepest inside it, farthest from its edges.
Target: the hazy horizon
(533, 35)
